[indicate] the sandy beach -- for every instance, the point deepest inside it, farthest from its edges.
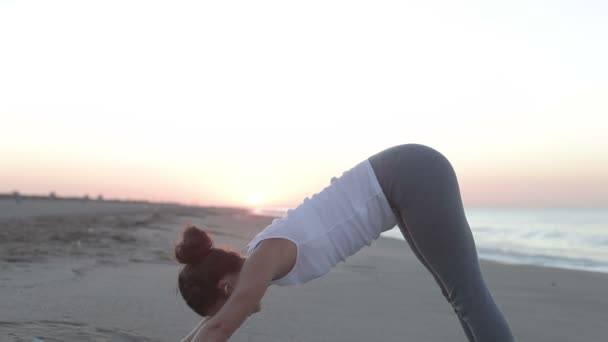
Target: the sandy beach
(103, 271)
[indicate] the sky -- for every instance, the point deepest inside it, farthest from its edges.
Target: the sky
(260, 103)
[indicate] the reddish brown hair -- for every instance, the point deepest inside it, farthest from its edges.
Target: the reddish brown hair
(205, 266)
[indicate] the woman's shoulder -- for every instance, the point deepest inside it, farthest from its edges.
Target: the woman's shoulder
(281, 252)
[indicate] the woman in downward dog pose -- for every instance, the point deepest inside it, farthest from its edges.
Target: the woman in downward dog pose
(412, 186)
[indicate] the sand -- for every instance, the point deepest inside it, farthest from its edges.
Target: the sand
(95, 271)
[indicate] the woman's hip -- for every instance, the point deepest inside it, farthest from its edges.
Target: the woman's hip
(408, 170)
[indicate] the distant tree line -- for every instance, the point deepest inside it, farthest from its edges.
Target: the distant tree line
(18, 197)
(52, 196)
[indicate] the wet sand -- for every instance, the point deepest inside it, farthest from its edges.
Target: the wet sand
(95, 271)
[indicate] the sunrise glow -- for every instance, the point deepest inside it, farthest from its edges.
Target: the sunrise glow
(254, 200)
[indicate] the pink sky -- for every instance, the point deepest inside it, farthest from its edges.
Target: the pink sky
(241, 175)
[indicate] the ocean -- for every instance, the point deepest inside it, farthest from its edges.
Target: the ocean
(565, 238)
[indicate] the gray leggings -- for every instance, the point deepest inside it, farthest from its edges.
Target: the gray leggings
(422, 189)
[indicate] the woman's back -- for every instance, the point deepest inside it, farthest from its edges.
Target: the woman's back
(333, 224)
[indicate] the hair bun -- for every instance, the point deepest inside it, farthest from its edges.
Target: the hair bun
(194, 247)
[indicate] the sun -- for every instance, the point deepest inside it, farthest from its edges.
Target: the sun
(254, 199)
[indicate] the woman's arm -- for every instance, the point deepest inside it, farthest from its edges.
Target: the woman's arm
(272, 259)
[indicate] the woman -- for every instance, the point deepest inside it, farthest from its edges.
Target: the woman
(412, 186)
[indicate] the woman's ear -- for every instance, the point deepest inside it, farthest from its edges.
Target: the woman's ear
(226, 284)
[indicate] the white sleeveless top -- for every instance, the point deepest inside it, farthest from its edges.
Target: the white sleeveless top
(332, 224)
